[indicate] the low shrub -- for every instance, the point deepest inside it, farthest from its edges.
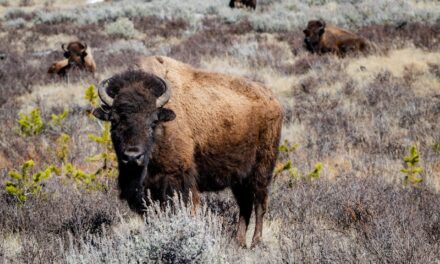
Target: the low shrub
(121, 28)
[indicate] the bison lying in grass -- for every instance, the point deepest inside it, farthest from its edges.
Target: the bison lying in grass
(243, 3)
(79, 55)
(179, 129)
(321, 38)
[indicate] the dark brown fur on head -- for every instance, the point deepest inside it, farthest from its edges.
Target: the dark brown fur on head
(134, 116)
(313, 33)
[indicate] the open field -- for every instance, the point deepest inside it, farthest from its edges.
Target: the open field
(358, 116)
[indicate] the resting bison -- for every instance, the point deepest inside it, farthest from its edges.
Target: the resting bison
(243, 3)
(176, 128)
(321, 38)
(59, 67)
(79, 55)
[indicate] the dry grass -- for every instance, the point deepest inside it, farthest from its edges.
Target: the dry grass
(357, 115)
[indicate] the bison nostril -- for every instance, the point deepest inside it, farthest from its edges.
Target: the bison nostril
(133, 154)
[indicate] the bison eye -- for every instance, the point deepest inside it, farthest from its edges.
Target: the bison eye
(114, 118)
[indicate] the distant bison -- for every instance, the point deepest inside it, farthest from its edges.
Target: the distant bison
(243, 3)
(59, 67)
(79, 55)
(321, 38)
(177, 128)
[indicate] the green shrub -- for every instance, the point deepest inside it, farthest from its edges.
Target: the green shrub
(121, 28)
(436, 147)
(23, 184)
(62, 147)
(31, 124)
(82, 179)
(91, 96)
(412, 170)
(56, 120)
(316, 172)
(287, 148)
(107, 157)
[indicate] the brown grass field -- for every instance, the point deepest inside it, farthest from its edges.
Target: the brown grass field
(358, 116)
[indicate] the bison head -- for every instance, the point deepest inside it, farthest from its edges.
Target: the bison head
(133, 102)
(313, 33)
(75, 53)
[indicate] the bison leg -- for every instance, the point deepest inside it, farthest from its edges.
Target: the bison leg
(195, 200)
(260, 210)
(245, 201)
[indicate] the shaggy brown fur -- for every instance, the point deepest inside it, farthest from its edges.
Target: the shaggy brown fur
(79, 55)
(243, 3)
(321, 38)
(217, 131)
(59, 67)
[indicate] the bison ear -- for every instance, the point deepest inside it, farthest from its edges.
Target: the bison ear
(100, 114)
(306, 31)
(165, 115)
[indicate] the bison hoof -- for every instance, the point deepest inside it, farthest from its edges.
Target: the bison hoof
(255, 241)
(241, 240)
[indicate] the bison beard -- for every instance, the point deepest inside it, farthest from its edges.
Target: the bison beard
(196, 152)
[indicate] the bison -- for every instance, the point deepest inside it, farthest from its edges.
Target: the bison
(59, 67)
(80, 56)
(321, 38)
(179, 129)
(243, 3)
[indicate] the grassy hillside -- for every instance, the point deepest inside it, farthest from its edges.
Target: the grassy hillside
(357, 116)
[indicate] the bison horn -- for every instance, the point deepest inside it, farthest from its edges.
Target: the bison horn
(102, 92)
(85, 47)
(165, 97)
(62, 46)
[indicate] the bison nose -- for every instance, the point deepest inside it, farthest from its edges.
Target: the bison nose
(133, 155)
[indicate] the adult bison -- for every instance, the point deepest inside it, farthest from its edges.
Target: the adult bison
(59, 67)
(321, 38)
(79, 55)
(243, 3)
(177, 128)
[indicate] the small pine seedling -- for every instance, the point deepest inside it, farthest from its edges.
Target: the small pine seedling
(412, 170)
(436, 147)
(316, 172)
(91, 96)
(287, 147)
(31, 124)
(62, 147)
(293, 172)
(57, 120)
(107, 157)
(23, 184)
